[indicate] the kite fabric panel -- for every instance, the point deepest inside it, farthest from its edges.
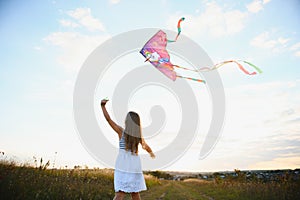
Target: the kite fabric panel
(155, 51)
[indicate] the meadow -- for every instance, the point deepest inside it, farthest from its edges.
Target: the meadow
(27, 182)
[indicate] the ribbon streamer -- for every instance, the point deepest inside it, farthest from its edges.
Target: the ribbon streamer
(178, 30)
(216, 66)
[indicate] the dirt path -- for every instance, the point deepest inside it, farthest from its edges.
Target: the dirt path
(174, 190)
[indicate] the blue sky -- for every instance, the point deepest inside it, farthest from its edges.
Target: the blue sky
(44, 43)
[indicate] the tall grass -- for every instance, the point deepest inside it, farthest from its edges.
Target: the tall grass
(282, 186)
(247, 190)
(34, 183)
(26, 182)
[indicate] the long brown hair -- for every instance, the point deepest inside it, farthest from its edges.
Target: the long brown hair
(132, 132)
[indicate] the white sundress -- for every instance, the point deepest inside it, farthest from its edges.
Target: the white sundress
(128, 176)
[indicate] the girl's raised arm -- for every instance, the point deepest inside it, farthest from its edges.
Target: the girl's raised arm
(147, 148)
(118, 129)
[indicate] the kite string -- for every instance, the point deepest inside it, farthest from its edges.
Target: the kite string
(178, 30)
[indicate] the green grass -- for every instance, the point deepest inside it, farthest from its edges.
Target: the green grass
(31, 183)
(194, 189)
(34, 183)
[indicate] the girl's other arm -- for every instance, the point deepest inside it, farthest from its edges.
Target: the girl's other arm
(118, 129)
(147, 148)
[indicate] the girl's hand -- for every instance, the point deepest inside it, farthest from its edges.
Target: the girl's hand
(104, 101)
(152, 155)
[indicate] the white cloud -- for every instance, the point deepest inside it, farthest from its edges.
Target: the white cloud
(263, 41)
(247, 141)
(234, 21)
(256, 5)
(264, 119)
(282, 40)
(215, 21)
(84, 17)
(37, 48)
(266, 1)
(297, 54)
(266, 41)
(295, 47)
(68, 23)
(114, 1)
(75, 47)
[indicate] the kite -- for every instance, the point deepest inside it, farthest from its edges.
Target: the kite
(155, 51)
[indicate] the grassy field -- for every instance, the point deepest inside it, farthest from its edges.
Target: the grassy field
(38, 183)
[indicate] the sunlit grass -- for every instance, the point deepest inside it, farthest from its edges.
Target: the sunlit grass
(35, 182)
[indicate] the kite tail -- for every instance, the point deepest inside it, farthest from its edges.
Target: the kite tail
(255, 67)
(241, 66)
(216, 66)
(178, 30)
(193, 79)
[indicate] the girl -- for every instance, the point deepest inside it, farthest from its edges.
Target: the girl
(128, 175)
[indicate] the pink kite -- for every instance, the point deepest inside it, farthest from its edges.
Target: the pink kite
(156, 53)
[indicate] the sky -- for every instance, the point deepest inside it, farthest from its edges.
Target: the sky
(45, 43)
